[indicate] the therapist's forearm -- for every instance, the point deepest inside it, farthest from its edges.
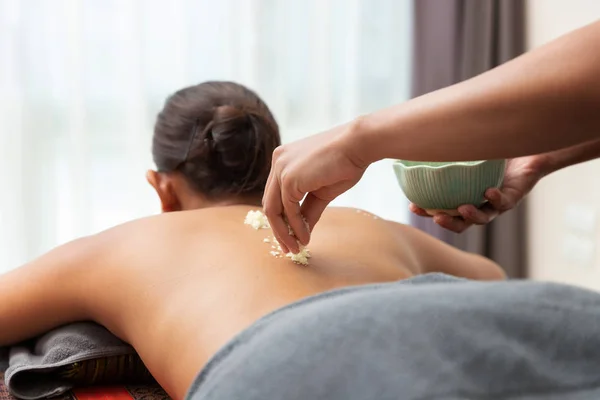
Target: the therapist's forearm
(545, 100)
(559, 159)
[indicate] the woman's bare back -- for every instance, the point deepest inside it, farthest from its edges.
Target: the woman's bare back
(180, 285)
(183, 284)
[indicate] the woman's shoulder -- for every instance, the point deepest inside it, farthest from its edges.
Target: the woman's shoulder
(350, 211)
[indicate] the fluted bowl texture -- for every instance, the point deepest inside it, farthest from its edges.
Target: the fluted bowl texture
(444, 186)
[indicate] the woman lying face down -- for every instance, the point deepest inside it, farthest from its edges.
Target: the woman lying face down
(171, 285)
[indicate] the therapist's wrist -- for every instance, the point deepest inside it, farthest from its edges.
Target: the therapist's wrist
(545, 164)
(360, 142)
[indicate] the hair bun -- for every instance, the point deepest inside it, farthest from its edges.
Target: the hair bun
(227, 120)
(234, 143)
(220, 135)
(232, 136)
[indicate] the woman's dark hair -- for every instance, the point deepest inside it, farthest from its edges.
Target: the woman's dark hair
(220, 136)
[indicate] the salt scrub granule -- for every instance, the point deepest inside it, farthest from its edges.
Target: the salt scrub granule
(306, 224)
(300, 258)
(367, 214)
(291, 232)
(303, 255)
(257, 220)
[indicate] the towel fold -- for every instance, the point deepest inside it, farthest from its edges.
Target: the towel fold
(78, 354)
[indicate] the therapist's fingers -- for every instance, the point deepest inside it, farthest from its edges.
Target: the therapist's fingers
(273, 209)
(499, 200)
(267, 186)
(469, 215)
(418, 210)
(454, 224)
(268, 201)
(479, 216)
(296, 228)
(312, 209)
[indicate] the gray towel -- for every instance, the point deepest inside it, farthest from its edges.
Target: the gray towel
(31, 366)
(3, 358)
(427, 338)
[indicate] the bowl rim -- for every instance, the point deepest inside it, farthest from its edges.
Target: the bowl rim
(451, 164)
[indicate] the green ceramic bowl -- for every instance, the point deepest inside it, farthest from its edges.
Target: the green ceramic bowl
(441, 187)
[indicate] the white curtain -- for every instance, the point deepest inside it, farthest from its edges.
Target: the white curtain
(82, 80)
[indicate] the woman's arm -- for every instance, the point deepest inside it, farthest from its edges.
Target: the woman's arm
(542, 101)
(433, 255)
(47, 292)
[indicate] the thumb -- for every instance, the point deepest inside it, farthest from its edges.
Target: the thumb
(502, 200)
(312, 209)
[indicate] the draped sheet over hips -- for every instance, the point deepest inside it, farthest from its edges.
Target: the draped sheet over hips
(429, 337)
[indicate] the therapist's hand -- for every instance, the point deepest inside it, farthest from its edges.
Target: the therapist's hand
(320, 167)
(521, 175)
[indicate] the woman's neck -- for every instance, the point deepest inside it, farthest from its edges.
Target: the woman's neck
(198, 202)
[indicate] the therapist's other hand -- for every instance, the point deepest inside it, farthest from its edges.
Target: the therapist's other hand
(521, 175)
(320, 167)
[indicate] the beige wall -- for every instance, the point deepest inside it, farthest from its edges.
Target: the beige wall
(564, 210)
